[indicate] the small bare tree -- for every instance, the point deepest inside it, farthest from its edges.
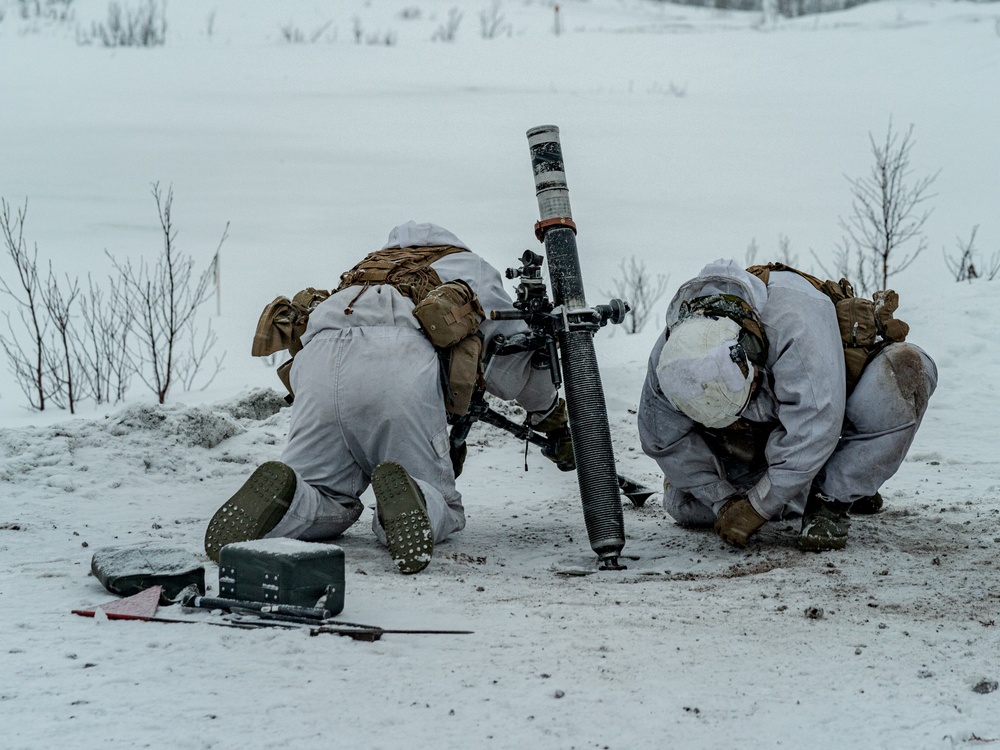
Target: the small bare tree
(164, 300)
(962, 264)
(887, 213)
(27, 360)
(640, 289)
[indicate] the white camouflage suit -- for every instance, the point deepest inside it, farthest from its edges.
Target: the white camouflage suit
(368, 389)
(849, 445)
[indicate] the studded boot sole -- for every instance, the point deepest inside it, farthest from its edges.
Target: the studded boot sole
(404, 517)
(254, 510)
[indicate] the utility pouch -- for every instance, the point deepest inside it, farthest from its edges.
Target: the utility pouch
(449, 313)
(462, 365)
(856, 319)
(283, 322)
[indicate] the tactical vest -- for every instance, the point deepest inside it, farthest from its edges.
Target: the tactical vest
(866, 326)
(449, 314)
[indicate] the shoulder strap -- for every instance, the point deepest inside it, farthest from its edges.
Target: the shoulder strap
(835, 290)
(405, 268)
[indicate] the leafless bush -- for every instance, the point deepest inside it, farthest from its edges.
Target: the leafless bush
(388, 39)
(142, 26)
(27, 360)
(446, 32)
(61, 361)
(294, 35)
(962, 263)
(640, 289)
(492, 22)
(887, 213)
(48, 10)
(410, 13)
(102, 339)
(164, 301)
(783, 254)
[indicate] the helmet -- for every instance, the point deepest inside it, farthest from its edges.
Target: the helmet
(704, 370)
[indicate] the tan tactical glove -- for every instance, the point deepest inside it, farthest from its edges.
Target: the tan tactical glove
(555, 426)
(737, 522)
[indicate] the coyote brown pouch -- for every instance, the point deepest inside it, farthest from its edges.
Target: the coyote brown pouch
(450, 316)
(283, 322)
(449, 313)
(463, 366)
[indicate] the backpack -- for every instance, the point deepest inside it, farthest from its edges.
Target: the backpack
(866, 325)
(449, 314)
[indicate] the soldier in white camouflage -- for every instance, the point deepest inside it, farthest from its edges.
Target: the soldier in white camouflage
(370, 408)
(747, 411)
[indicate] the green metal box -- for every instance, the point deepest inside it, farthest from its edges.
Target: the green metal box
(283, 571)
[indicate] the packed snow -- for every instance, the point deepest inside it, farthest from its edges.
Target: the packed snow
(687, 133)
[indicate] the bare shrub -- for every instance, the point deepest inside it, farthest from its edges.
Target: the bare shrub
(783, 254)
(61, 362)
(102, 339)
(164, 301)
(142, 26)
(46, 10)
(295, 35)
(446, 32)
(27, 360)
(887, 213)
(962, 263)
(640, 289)
(492, 21)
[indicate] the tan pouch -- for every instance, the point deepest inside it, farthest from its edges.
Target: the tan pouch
(856, 319)
(449, 313)
(464, 369)
(283, 322)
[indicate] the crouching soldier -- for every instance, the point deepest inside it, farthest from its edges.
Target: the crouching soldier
(379, 364)
(774, 395)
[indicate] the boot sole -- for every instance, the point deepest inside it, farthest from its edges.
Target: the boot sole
(404, 518)
(822, 544)
(254, 510)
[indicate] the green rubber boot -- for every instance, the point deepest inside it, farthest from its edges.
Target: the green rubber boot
(254, 510)
(403, 513)
(824, 524)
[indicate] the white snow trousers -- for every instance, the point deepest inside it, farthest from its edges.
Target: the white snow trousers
(364, 395)
(881, 419)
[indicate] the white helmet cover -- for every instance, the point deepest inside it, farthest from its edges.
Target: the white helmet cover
(697, 372)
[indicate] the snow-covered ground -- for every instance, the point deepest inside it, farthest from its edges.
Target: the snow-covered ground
(687, 133)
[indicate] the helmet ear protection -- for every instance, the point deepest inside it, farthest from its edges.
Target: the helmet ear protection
(751, 344)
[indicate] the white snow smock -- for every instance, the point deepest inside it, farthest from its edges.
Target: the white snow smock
(368, 389)
(848, 447)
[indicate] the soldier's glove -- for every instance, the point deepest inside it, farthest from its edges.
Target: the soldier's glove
(737, 522)
(555, 426)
